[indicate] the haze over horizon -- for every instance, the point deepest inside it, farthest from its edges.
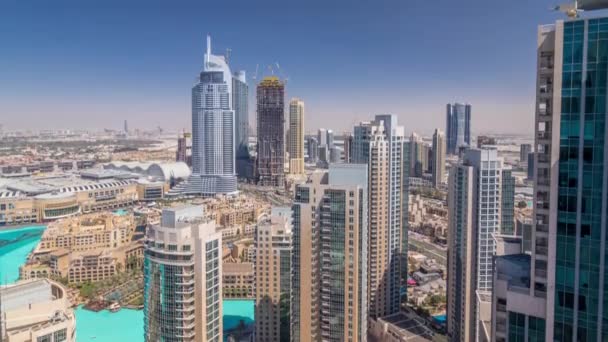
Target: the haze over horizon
(69, 64)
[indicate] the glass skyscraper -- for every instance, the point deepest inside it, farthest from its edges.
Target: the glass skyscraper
(271, 132)
(213, 129)
(458, 126)
(565, 294)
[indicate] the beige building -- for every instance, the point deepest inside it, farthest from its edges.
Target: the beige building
(438, 162)
(183, 257)
(36, 310)
(296, 137)
(238, 279)
(329, 263)
(19, 207)
(379, 144)
(273, 276)
(86, 248)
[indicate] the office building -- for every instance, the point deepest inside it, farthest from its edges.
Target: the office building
(240, 104)
(183, 278)
(348, 148)
(322, 137)
(438, 158)
(329, 258)
(312, 148)
(296, 137)
(271, 133)
(379, 144)
(36, 310)
(273, 276)
(524, 149)
(474, 207)
(213, 127)
(458, 127)
(330, 138)
(419, 156)
(531, 165)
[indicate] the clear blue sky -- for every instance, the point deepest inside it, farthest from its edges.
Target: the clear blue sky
(92, 64)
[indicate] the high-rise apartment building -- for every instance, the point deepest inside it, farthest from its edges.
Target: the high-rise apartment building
(507, 207)
(524, 149)
(213, 127)
(271, 133)
(564, 295)
(273, 276)
(419, 156)
(458, 127)
(240, 103)
(322, 137)
(379, 144)
(183, 278)
(296, 137)
(474, 216)
(184, 148)
(329, 258)
(438, 158)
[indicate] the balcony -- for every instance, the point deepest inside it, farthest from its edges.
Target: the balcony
(543, 135)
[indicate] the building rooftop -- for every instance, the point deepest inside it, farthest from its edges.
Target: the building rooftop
(515, 269)
(408, 328)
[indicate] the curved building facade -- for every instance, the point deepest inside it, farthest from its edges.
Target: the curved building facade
(213, 129)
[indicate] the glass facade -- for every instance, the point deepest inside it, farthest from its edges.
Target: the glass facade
(581, 176)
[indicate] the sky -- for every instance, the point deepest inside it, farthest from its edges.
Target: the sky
(93, 64)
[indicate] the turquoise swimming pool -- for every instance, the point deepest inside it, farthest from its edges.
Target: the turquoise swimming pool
(103, 326)
(15, 245)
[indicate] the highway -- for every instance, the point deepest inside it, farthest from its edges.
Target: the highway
(420, 244)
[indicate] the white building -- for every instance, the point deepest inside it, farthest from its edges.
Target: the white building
(474, 203)
(36, 310)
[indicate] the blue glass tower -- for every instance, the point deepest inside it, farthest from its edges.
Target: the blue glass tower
(458, 126)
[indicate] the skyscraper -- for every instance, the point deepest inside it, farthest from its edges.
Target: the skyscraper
(296, 137)
(419, 156)
(438, 160)
(379, 144)
(567, 289)
(524, 149)
(271, 134)
(213, 144)
(329, 263)
(312, 146)
(240, 103)
(183, 149)
(474, 206)
(322, 137)
(458, 127)
(273, 276)
(507, 208)
(183, 278)
(348, 147)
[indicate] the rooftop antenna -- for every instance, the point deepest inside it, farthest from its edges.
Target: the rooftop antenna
(227, 55)
(208, 51)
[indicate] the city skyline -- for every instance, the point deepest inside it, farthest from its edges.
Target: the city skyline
(149, 87)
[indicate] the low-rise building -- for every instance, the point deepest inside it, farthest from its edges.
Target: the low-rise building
(36, 310)
(238, 280)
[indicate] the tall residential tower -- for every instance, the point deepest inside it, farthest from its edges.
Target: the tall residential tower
(379, 144)
(296, 137)
(438, 160)
(183, 278)
(329, 262)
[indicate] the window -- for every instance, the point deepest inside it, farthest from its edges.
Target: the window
(60, 335)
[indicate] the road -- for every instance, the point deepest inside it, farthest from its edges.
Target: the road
(417, 243)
